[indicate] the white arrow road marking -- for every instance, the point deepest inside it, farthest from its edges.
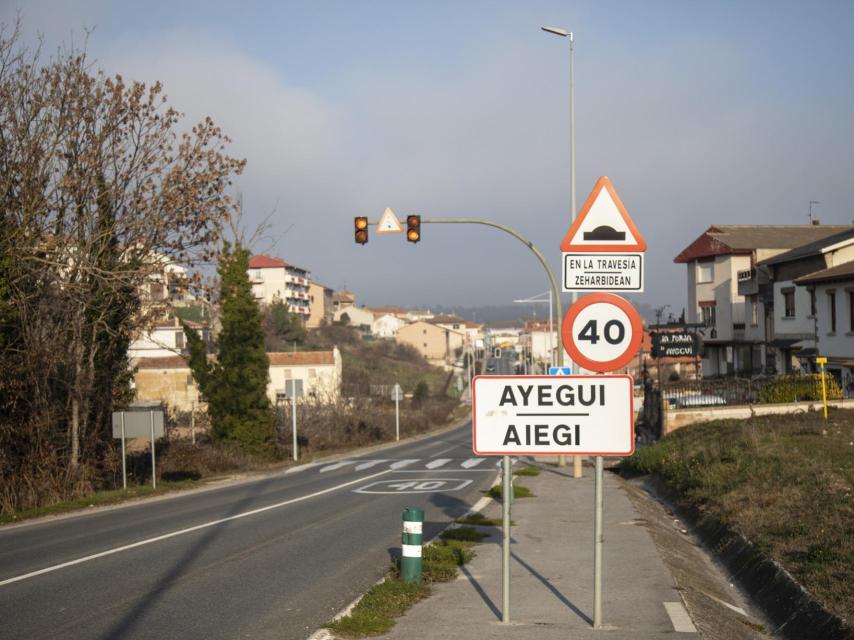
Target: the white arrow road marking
(173, 534)
(402, 463)
(435, 464)
(337, 465)
(472, 462)
(368, 464)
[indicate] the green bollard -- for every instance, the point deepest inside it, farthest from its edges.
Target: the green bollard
(410, 562)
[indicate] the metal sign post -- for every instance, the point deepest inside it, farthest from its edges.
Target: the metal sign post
(153, 470)
(397, 396)
(507, 491)
(124, 456)
(598, 542)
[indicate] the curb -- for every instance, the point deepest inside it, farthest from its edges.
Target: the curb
(786, 604)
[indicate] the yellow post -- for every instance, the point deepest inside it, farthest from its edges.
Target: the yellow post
(822, 361)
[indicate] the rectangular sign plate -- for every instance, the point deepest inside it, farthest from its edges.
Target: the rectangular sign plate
(603, 272)
(138, 424)
(553, 415)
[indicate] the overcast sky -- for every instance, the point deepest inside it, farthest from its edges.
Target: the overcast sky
(699, 112)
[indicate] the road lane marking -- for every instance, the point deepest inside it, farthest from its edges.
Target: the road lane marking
(368, 464)
(173, 534)
(679, 618)
(472, 462)
(403, 463)
(435, 464)
(420, 485)
(337, 465)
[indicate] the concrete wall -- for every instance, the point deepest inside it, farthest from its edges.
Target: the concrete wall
(677, 418)
(801, 324)
(172, 386)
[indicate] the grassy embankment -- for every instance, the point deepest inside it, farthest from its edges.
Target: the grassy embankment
(784, 482)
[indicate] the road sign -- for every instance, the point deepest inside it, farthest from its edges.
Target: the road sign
(389, 223)
(675, 344)
(137, 422)
(602, 332)
(603, 224)
(602, 272)
(396, 392)
(553, 415)
(560, 371)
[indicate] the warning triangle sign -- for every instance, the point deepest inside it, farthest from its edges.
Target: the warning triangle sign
(389, 223)
(603, 224)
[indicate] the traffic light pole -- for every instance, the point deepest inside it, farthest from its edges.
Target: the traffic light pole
(527, 243)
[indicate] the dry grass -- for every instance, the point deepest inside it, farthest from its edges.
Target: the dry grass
(785, 482)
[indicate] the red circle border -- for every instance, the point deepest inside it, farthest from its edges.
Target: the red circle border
(595, 365)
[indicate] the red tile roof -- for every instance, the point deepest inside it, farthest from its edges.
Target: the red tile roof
(266, 262)
(296, 358)
(168, 362)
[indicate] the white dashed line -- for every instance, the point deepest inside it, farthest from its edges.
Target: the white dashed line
(402, 463)
(472, 462)
(337, 465)
(369, 464)
(435, 464)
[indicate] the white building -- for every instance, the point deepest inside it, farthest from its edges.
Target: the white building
(386, 325)
(724, 289)
(273, 278)
(795, 308)
(163, 340)
(833, 290)
(319, 373)
(360, 317)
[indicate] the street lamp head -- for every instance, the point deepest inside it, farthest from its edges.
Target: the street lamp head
(558, 32)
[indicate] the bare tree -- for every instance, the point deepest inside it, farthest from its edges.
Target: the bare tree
(99, 191)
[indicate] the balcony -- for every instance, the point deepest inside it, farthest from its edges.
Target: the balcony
(748, 283)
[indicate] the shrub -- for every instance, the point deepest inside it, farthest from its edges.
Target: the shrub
(794, 388)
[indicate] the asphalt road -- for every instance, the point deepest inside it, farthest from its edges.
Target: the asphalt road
(272, 557)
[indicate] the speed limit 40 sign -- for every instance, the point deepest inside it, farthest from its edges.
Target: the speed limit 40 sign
(602, 332)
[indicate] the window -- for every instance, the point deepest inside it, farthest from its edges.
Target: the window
(812, 303)
(788, 302)
(179, 339)
(705, 271)
(708, 311)
(831, 310)
(754, 312)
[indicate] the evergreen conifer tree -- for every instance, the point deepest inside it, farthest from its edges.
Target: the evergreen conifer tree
(235, 386)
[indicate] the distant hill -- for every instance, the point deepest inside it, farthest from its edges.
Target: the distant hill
(518, 314)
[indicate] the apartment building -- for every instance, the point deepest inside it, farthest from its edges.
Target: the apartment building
(433, 341)
(273, 278)
(320, 300)
(724, 289)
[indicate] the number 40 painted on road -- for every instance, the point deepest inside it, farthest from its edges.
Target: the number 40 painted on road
(602, 332)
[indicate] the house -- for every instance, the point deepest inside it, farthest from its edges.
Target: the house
(320, 300)
(167, 379)
(386, 325)
(724, 287)
(342, 299)
(318, 371)
(164, 339)
(792, 310)
(833, 308)
(540, 345)
(433, 341)
(274, 278)
(360, 317)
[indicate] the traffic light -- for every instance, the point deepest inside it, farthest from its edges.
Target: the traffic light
(413, 228)
(360, 232)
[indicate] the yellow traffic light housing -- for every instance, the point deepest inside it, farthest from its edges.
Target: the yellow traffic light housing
(413, 228)
(360, 231)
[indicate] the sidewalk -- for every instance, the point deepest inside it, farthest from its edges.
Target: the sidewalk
(551, 587)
